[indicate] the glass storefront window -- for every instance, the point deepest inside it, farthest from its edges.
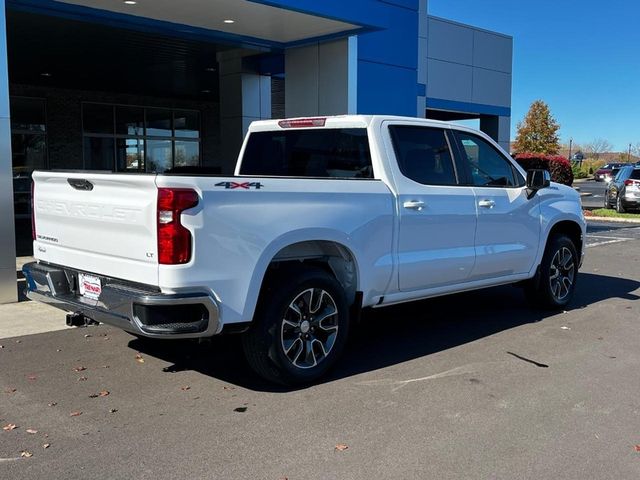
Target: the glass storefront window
(159, 122)
(98, 153)
(187, 154)
(29, 152)
(186, 124)
(159, 155)
(126, 138)
(130, 121)
(130, 153)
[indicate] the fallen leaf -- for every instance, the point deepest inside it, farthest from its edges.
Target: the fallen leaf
(26, 454)
(93, 395)
(46, 445)
(81, 379)
(106, 366)
(88, 335)
(240, 409)
(31, 377)
(58, 350)
(10, 390)
(52, 404)
(9, 427)
(565, 328)
(113, 410)
(79, 369)
(1, 346)
(185, 388)
(18, 341)
(104, 393)
(139, 358)
(31, 430)
(637, 448)
(75, 414)
(228, 388)
(341, 447)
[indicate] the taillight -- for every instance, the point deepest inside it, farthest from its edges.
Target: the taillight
(303, 122)
(174, 241)
(631, 182)
(33, 210)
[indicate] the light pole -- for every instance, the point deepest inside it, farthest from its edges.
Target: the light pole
(570, 145)
(629, 156)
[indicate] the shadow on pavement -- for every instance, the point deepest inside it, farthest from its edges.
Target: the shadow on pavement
(393, 335)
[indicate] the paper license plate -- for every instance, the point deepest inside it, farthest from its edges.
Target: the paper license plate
(90, 286)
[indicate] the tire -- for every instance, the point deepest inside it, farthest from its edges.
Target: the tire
(607, 205)
(619, 207)
(554, 285)
(289, 342)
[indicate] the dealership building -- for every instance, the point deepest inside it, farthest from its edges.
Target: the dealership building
(153, 85)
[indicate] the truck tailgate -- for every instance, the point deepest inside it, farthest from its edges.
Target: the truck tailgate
(101, 223)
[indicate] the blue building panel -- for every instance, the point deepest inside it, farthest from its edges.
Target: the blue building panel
(395, 45)
(386, 89)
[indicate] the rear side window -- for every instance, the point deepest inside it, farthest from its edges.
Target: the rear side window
(635, 175)
(314, 153)
(423, 154)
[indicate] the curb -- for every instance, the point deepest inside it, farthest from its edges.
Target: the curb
(613, 219)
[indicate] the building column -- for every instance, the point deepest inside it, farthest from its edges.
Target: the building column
(8, 284)
(245, 96)
(321, 79)
(498, 128)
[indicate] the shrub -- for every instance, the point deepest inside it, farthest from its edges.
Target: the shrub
(557, 165)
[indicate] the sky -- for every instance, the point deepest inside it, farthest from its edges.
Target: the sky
(582, 57)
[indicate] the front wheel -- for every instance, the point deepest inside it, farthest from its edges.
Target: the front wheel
(619, 207)
(300, 327)
(555, 283)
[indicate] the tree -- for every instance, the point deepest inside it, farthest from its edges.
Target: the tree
(538, 132)
(597, 147)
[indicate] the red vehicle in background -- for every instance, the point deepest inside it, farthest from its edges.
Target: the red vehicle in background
(603, 174)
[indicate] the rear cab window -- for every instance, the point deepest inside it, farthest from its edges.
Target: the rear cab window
(308, 153)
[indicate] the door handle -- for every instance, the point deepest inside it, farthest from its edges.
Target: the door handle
(486, 203)
(413, 205)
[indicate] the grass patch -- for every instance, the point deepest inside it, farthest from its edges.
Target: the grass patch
(604, 212)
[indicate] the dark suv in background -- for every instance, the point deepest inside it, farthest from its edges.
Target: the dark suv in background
(623, 192)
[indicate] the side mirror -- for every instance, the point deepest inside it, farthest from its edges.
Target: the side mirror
(537, 180)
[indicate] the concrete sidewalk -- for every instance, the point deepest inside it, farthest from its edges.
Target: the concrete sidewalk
(26, 317)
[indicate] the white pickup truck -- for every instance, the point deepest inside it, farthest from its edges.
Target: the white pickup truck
(324, 216)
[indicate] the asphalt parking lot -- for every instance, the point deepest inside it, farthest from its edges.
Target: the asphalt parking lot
(475, 385)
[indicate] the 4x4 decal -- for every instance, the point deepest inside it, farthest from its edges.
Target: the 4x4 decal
(240, 185)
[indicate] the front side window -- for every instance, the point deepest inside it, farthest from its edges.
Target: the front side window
(423, 154)
(487, 166)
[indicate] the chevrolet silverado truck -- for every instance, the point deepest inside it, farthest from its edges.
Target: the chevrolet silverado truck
(322, 217)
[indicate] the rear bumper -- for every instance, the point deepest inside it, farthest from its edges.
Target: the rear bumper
(138, 309)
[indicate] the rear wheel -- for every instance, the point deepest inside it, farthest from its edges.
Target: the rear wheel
(300, 327)
(555, 283)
